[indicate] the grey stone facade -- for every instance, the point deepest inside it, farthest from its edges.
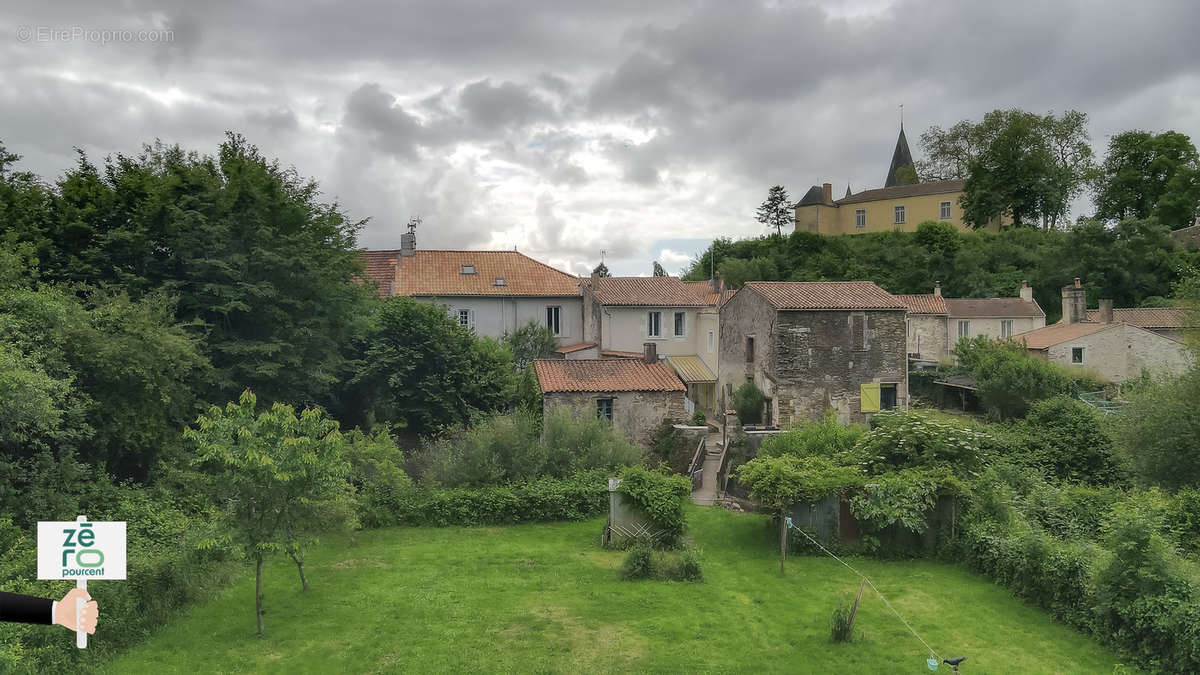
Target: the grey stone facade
(636, 414)
(807, 361)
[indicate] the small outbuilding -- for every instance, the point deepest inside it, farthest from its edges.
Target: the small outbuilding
(636, 395)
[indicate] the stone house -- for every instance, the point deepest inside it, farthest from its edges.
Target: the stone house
(936, 323)
(811, 346)
(491, 292)
(1115, 349)
(636, 395)
(681, 319)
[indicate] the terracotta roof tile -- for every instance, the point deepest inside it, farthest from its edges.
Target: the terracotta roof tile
(601, 375)
(440, 273)
(924, 304)
(618, 354)
(381, 268)
(1145, 317)
(648, 292)
(704, 289)
(936, 187)
(992, 307)
(570, 349)
(1043, 338)
(825, 295)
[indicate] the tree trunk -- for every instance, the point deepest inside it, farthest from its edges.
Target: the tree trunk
(299, 560)
(782, 541)
(258, 596)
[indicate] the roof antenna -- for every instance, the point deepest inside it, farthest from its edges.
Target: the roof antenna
(413, 222)
(901, 117)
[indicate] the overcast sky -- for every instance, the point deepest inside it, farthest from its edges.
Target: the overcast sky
(643, 129)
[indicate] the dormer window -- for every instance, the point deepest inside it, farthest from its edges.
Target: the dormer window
(468, 269)
(499, 281)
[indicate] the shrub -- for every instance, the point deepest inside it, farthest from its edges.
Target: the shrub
(1065, 437)
(918, 438)
(1157, 431)
(688, 568)
(827, 438)
(748, 401)
(639, 564)
(1007, 378)
(840, 627)
(661, 497)
(699, 419)
(898, 498)
(578, 497)
(377, 475)
(780, 482)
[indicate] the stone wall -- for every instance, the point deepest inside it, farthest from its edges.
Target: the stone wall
(1122, 351)
(927, 336)
(636, 414)
(745, 315)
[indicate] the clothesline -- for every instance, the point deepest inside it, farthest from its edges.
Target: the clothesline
(816, 543)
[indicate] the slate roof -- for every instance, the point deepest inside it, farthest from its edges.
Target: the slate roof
(992, 307)
(602, 375)
(900, 191)
(815, 195)
(649, 292)
(381, 268)
(927, 303)
(439, 273)
(1044, 338)
(798, 295)
(901, 157)
(1146, 317)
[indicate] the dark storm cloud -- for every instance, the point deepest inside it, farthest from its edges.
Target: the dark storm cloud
(576, 124)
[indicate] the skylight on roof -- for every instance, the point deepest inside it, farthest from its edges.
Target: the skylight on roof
(468, 269)
(499, 281)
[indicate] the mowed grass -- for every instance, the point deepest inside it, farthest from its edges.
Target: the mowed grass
(546, 599)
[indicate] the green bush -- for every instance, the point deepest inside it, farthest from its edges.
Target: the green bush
(699, 419)
(661, 497)
(1157, 431)
(688, 567)
(748, 401)
(503, 448)
(840, 628)
(903, 438)
(1066, 438)
(639, 563)
(827, 438)
(377, 475)
(1008, 379)
(578, 497)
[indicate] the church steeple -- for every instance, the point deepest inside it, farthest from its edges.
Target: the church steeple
(901, 158)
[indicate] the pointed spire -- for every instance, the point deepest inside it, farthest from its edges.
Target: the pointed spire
(847, 189)
(901, 157)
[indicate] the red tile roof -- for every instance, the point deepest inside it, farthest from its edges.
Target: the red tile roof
(570, 349)
(936, 187)
(648, 292)
(705, 291)
(601, 375)
(1043, 338)
(992, 307)
(924, 304)
(439, 273)
(618, 354)
(381, 268)
(824, 295)
(1146, 317)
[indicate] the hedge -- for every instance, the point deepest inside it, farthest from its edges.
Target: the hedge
(578, 497)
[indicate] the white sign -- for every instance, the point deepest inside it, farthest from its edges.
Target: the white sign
(81, 551)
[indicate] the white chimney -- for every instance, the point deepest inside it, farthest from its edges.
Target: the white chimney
(937, 288)
(1026, 292)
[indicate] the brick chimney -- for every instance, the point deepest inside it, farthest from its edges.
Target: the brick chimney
(1074, 302)
(1026, 292)
(937, 288)
(827, 191)
(1106, 311)
(651, 353)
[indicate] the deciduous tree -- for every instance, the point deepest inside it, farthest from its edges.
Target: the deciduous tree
(1148, 175)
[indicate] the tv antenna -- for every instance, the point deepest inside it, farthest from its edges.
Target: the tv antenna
(413, 223)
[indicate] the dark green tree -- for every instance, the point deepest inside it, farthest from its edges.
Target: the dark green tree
(601, 270)
(419, 370)
(776, 210)
(529, 342)
(1149, 175)
(657, 270)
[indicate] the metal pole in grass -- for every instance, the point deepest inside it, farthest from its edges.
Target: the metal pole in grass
(782, 541)
(854, 609)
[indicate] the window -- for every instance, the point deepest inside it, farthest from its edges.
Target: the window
(858, 332)
(553, 314)
(500, 281)
(1006, 328)
(1076, 354)
(468, 269)
(899, 211)
(860, 218)
(654, 324)
(712, 341)
(604, 408)
(964, 329)
(945, 214)
(750, 349)
(680, 324)
(887, 396)
(466, 318)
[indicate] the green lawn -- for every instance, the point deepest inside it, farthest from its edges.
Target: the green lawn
(545, 598)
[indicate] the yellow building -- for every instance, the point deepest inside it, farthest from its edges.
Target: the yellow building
(901, 204)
